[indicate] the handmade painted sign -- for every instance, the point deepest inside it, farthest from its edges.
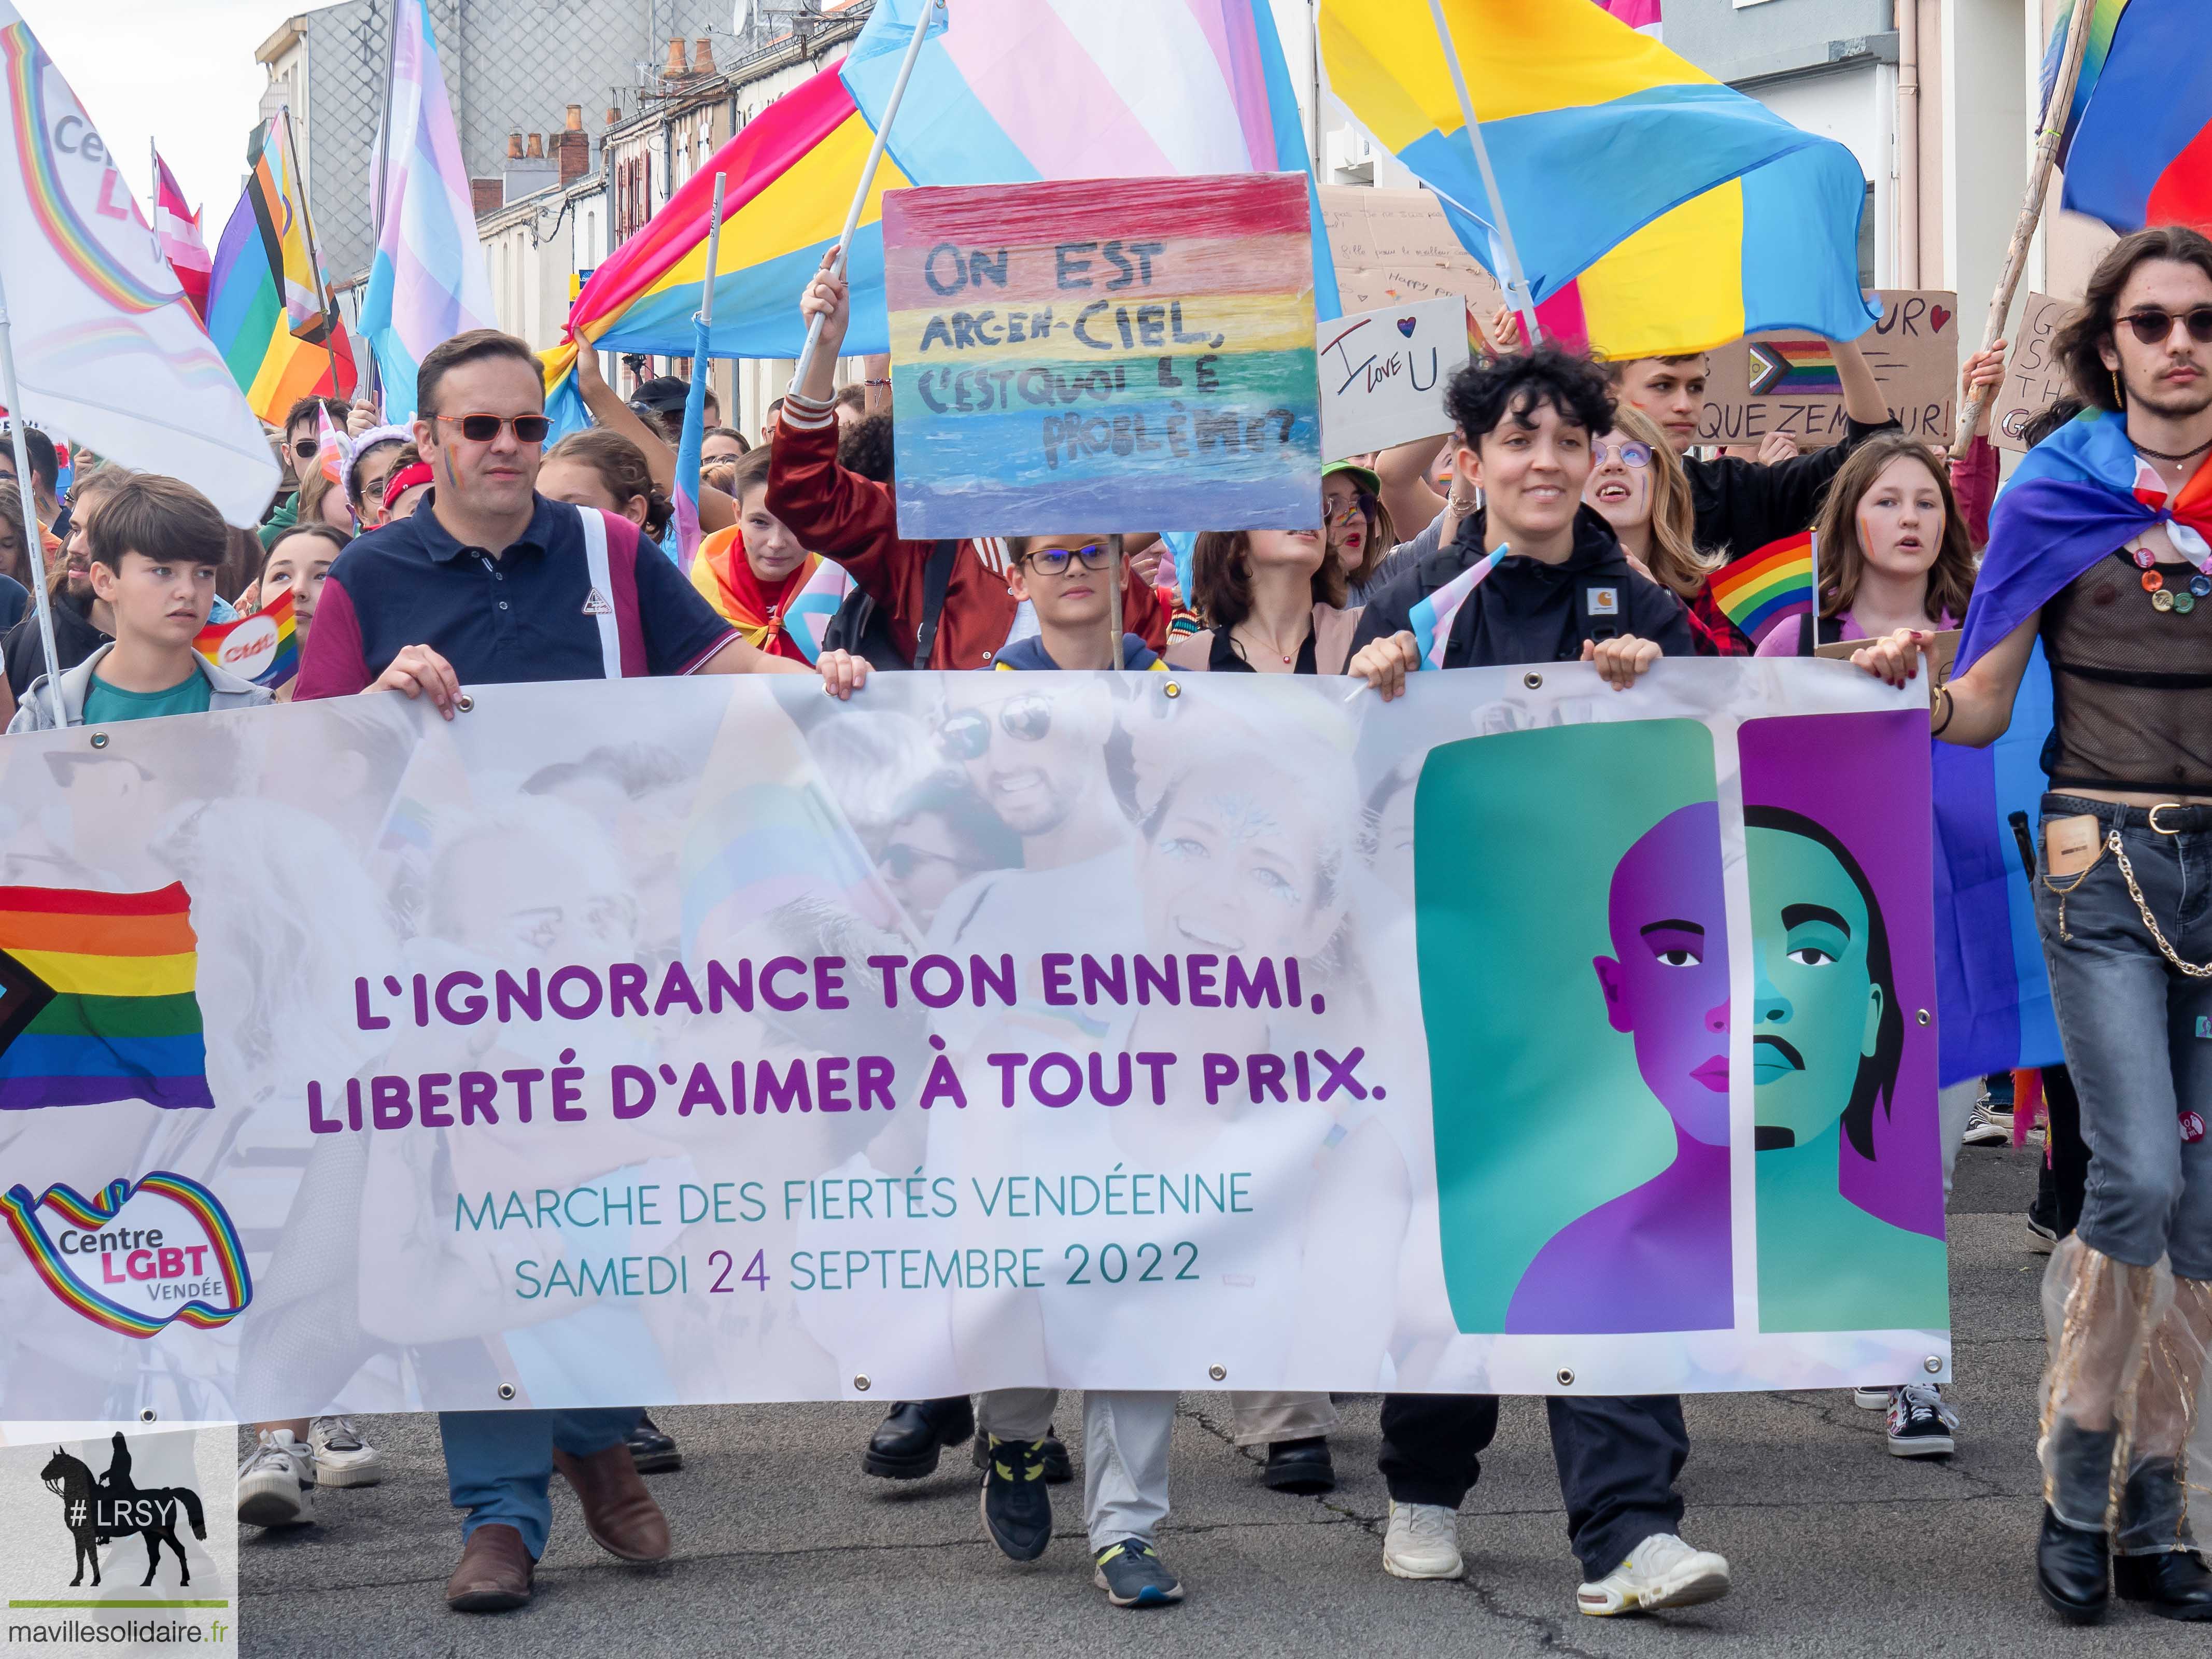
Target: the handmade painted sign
(1786, 380)
(1394, 246)
(2034, 379)
(1103, 355)
(1382, 374)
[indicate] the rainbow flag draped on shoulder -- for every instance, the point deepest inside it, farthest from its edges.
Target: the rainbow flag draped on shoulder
(1667, 212)
(1162, 87)
(2077, 497)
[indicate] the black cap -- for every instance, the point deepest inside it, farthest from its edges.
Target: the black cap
(664, 393)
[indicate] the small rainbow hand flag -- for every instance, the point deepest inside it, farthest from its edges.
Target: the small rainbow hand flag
(1431, 619)
(1795, 368)
(96, 999)
(1760, 590)
(263, 647)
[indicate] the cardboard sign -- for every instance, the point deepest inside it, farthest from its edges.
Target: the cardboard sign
(1101, 354)
(1394, 246)
(1786, 381)
(1382, 374)
(1942, 653)
(2033, 379)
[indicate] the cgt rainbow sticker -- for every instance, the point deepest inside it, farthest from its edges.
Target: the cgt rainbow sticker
(137, 1258)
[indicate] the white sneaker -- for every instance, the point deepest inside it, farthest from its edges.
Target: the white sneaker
(277, 1482)
(1422, 1541)
(1661, 1571)
(1871, 1399)
(342, 1456)
(1984, 1130)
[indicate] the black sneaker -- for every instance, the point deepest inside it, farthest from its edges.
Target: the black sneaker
(1132, 1576)
(1058, 1471)
(1921, 1424)
(1017, 1509)
(653, 1452)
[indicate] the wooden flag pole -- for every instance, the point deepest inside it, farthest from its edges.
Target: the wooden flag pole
(929, 12)
(314, 258)
(2030, 211)
(1516, 284)
(1114, 543)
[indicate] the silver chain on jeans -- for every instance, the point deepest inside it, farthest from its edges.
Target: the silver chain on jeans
(2120, 854)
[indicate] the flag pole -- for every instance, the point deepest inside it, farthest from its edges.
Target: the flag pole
(11, 393)
(154, 202)
(1516, 284)
(2031, 210)
(314, 253)
(929, 11)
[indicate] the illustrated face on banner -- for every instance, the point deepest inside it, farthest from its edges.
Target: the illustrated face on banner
(523, 885)
(1668, 979)
(1819, 1004)
(1033, 755)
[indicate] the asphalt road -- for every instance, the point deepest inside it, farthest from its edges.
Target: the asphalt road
(783, 1546)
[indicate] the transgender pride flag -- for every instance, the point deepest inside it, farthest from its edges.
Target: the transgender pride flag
(1431, 618)
(428, 282)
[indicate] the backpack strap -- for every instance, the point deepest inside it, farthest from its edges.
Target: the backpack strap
(935, 580)
(599, 603)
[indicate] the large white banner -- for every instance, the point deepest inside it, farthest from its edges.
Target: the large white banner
(711, 1040)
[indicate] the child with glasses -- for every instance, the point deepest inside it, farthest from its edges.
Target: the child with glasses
(1069, 580)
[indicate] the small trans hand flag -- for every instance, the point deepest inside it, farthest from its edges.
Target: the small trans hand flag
(1431, 618)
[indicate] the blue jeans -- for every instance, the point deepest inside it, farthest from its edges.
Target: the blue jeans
(2138, 1033)
(498, 1464)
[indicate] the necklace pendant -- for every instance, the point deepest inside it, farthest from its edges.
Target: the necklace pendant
(2184, 603)
(2153, 582)
(2162, 600)
(2145, 558)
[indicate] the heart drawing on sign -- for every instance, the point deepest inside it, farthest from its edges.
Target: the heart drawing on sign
(1939, 315)
(1406, 326)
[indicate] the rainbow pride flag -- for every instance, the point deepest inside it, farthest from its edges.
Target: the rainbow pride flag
(1794, 368)
(100, 1006)
(20, 1210)
(262, 647)
(1762, 588)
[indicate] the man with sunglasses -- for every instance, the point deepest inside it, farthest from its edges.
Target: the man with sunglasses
(488, 582)
(2100, 549)
(297, 458)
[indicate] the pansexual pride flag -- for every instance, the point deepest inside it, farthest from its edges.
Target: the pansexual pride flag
(264, 646)
(1762, 588)
(96, 999)
(1681, 213)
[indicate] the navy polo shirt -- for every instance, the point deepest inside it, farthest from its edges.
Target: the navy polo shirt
(529, 614)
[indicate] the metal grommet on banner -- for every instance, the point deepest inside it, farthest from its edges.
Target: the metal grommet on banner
(1933, 1365)
(860, 1384)
(100, 740)
(1171, 690)
(1566, 1378)
(1218, 1373)
(1924, 1016)
(465, 703)
(506, 1391)
(1534, 682)
(146, 1416)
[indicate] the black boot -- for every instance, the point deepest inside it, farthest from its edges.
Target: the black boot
(905, 1445)
(653, 1452)
(2175, 1584)
(1301, 1467)
(1058, 1471)
(2072, 1569)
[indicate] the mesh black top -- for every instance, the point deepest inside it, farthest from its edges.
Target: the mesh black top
(2131, 682)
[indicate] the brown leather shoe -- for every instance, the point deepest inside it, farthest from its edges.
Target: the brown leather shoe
(621, 1514)
(495, 1572)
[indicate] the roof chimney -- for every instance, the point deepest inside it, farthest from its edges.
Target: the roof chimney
(535, 150)
(484, 195)
(514, 146)
(575, 121)
(526, 170)
(571, 148)
(677, 68)
(614, 116)
(702, 58)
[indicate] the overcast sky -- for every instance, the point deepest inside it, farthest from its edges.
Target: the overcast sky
(181, 71)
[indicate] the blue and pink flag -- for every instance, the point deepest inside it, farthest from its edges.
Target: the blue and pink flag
(682, 544)
(2142, 149)
(428, 282)
(1431, 618)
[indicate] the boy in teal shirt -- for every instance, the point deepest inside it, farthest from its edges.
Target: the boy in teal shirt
(156, 547)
